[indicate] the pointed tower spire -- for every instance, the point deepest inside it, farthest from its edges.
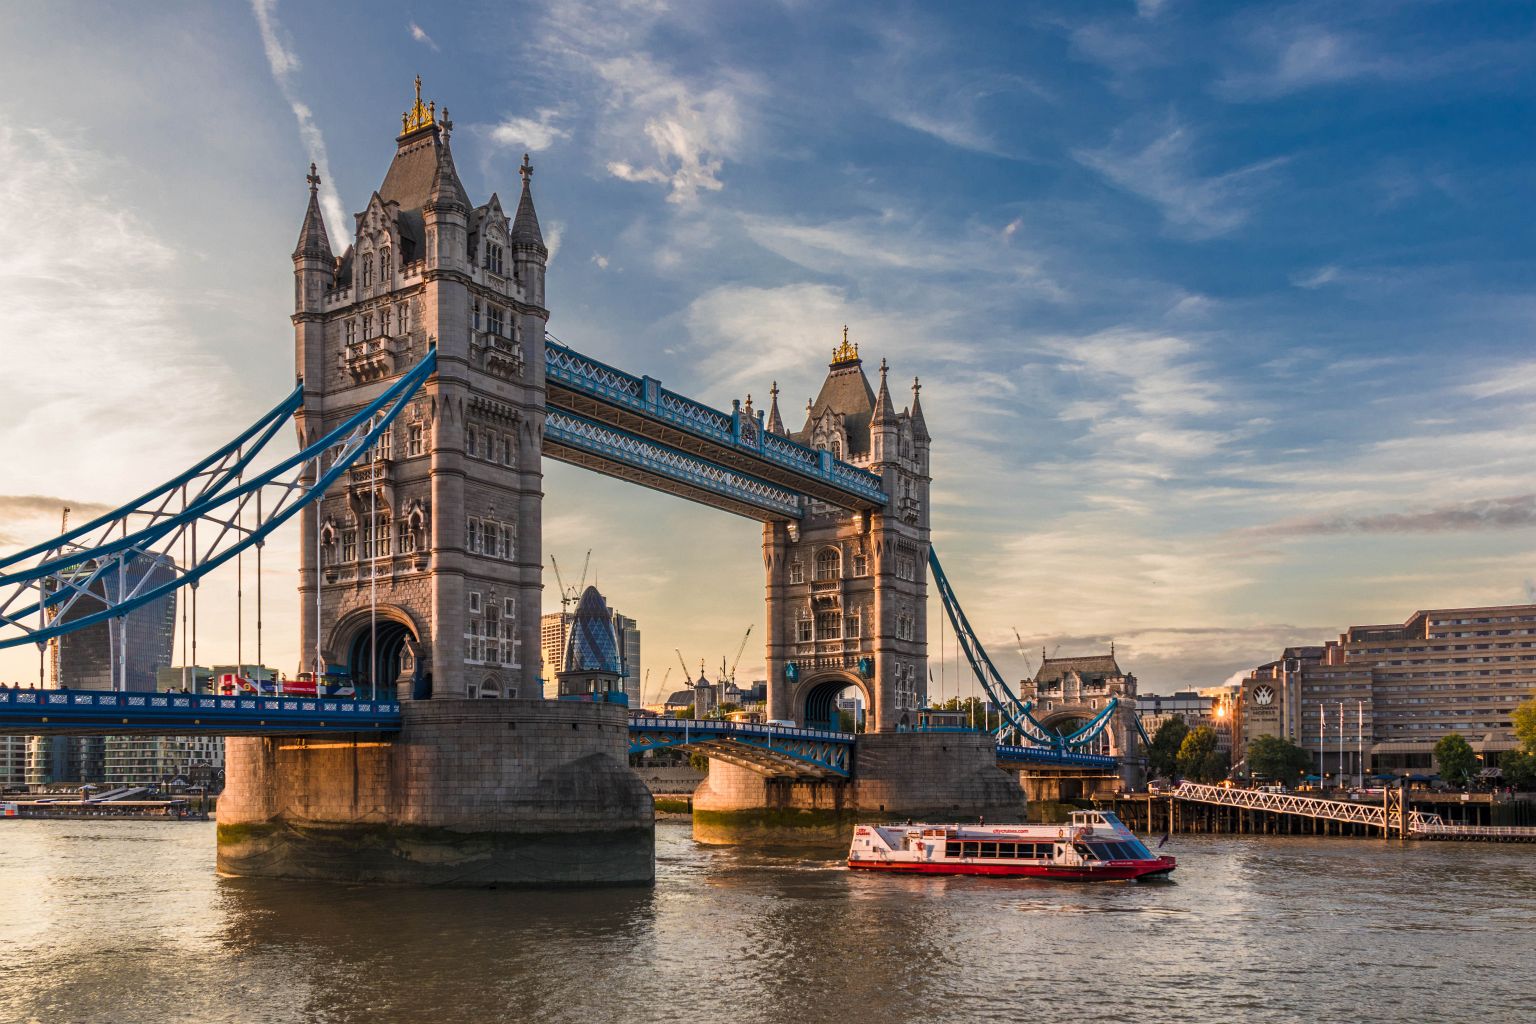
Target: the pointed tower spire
(775, 424)
(313, 241)
(525, 224)
(885, 410)
(919, 425)
(447, 189)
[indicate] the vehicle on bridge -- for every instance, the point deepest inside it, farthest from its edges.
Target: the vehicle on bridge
(229, 684)
(1093, 846)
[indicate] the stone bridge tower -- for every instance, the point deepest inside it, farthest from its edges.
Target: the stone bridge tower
(847, 591)
(429, 553)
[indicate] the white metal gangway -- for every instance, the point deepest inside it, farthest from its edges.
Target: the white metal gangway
(1372, 815)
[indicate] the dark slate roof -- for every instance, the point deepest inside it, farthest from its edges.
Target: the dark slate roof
(846, 390)
(680, 697)
(313, 241)
(592, 647)
(409, 180)
(1096, 666)
(412, 175)
(525, 224)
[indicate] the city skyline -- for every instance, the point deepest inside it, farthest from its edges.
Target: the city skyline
(1198, 388)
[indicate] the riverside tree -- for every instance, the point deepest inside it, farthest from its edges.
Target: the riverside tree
(1163, 755)
(1200, 758)
(1275, 757)
(1525, 725)
(1456, 760)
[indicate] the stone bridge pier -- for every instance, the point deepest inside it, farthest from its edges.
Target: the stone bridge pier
(922, 776)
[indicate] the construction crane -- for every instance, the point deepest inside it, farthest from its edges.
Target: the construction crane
(686, 677)
(584, 566)
(1028, 665)
(664, 677)
(565, 597)
(739, 651)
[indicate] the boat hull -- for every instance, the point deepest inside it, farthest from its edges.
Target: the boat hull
(1120, 872)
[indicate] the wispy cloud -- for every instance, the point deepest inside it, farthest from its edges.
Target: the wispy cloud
(420, 35)
(532, 134)
(1316, 278)
(689, 132)
(1163, 170)
(1289, 49)
(284, 63)
(77, 243)
(1509, 513)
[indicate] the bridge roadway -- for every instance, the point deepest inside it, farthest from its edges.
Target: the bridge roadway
(777, 751)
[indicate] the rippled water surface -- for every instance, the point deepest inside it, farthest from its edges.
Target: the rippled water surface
(126, 921)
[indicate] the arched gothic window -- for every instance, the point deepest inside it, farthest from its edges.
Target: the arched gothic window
(803, 625)
(837, 449)
(829, 561)
(384, 267)
(367, 271)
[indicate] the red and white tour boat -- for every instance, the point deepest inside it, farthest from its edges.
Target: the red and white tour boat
(1092, 846)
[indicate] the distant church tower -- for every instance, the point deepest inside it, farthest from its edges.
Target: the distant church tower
(847, 591)
(443, 522)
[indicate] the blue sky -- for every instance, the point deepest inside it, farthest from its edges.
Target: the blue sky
(1223, 311)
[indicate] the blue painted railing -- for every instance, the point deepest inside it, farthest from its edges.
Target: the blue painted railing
(746, 433)
(619, 445)
(818, 748)
(1009, 753)
(45, 711)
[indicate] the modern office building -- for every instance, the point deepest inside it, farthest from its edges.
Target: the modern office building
(555, 638)
(13, 761)
(142, 760)
(1380, 697)
(123, 654)
(628, 632)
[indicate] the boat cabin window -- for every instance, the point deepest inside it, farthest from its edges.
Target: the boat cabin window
(988, 850)
(1084, 851)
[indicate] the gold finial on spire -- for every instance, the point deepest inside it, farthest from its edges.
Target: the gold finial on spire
(421, 115)
(845, 353)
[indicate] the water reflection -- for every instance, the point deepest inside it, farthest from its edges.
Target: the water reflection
(126, 921)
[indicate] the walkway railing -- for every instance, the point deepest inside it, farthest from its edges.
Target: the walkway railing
(772, 750)
(735, 430)
(92, 711)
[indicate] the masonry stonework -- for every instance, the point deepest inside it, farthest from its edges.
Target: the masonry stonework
(922, 776)
(471, 793)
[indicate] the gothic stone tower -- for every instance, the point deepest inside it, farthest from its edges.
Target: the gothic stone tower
(429, 552)
(847, 592)
(443, 526)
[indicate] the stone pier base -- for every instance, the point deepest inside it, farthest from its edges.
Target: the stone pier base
(1045, 786)
(469, 793)
(922, 776)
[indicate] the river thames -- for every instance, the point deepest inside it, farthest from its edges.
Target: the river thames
(127, 921)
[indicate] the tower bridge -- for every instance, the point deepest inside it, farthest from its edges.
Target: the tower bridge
(431, 391)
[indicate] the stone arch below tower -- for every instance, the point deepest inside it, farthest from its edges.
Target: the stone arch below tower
(815, 699)
(376, 646)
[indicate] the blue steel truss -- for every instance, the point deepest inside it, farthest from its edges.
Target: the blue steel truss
(772, 750)
(89, 712)
(736, 433)
(1009, 753)
(615, 448)
(91, 570)
(1019, 721)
